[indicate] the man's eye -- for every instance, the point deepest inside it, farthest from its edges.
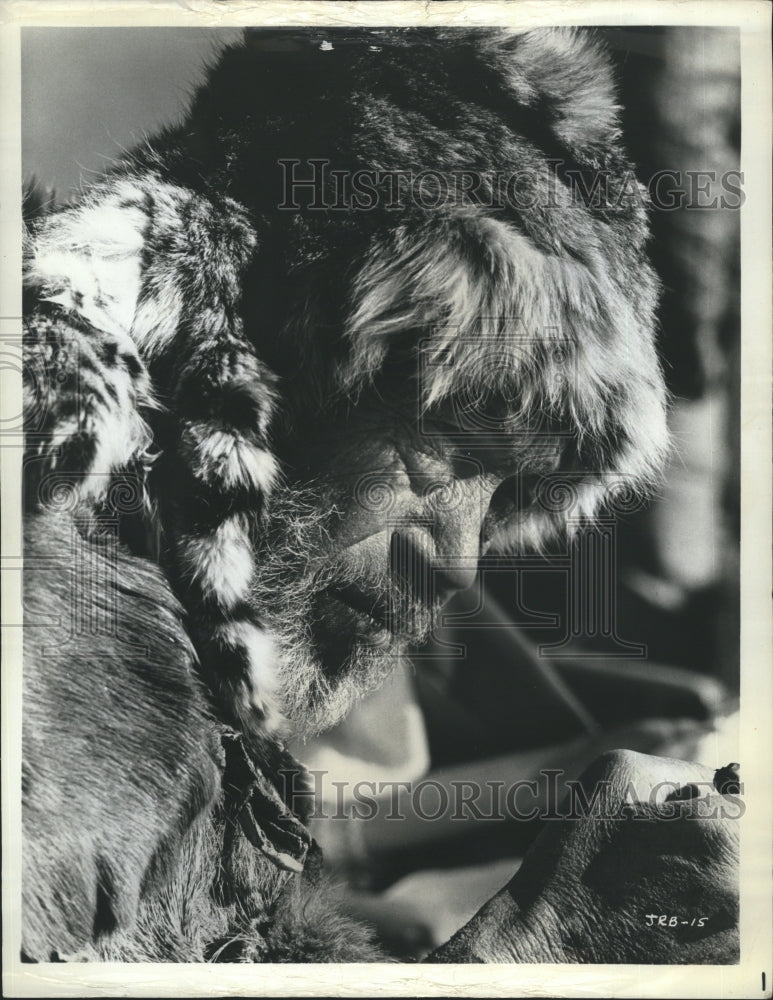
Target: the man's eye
(446, 424)
(480, 421)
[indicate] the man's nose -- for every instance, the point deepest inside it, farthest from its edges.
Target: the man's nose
(458, 544)
(442, 556)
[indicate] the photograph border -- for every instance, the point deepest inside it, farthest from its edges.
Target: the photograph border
(753, 18)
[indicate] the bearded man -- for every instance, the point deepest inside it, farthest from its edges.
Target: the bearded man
(292, 368)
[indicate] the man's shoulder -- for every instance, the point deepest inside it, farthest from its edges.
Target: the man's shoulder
(119, 750)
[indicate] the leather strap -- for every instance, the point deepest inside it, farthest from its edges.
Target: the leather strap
(253, 800)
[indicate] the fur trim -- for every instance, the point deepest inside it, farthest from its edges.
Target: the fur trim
(229, 459)
(556, 337)
(255, 646)
(221, 561)
(86, 399)
(546, 301)
(88, 260)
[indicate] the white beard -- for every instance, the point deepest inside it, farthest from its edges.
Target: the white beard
(312, 693)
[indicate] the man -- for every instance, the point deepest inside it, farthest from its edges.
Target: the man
(370, 312)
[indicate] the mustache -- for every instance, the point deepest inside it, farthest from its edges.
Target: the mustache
(401, 613)
(294, 558)
(400, 597)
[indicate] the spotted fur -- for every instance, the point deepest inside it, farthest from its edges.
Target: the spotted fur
(139, 285)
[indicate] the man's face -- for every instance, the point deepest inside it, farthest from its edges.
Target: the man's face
(384, 515)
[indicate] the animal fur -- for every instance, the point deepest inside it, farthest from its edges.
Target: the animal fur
(167, 306)
(124, 822)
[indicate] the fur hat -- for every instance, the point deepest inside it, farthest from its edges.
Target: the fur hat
(456, 203)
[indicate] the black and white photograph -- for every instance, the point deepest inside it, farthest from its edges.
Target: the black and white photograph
(392, 576)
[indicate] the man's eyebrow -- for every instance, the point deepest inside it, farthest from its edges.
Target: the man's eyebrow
(494, 411)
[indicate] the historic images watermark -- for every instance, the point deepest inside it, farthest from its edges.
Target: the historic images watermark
(317, 184)
(548, 796)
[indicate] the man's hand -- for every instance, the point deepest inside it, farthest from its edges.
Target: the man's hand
(642, 869)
